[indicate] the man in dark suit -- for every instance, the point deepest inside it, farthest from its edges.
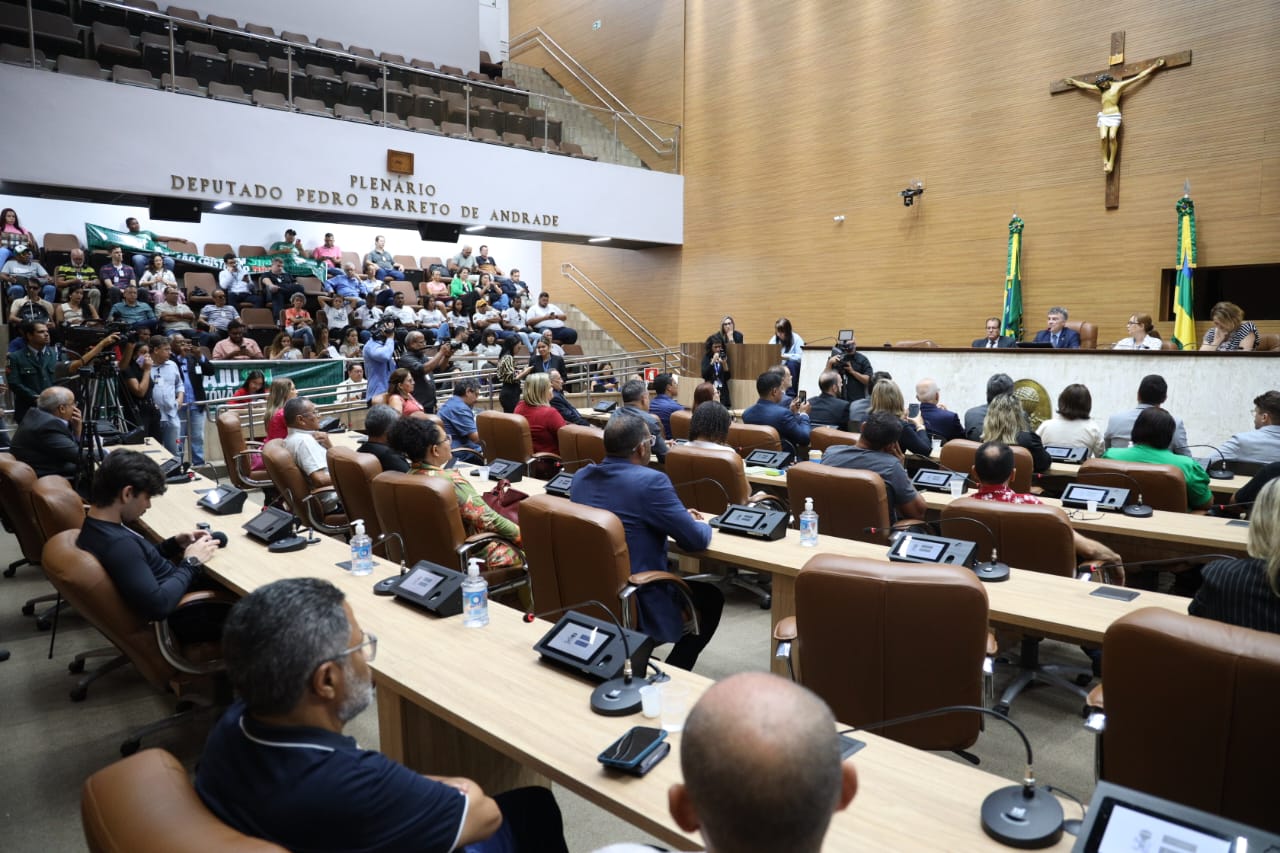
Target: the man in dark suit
(999, 383)
(1058, 334)
(635, 401)
(561, 403)
(940, 422)
(791, 422)
(48, 439)
(993, 338)
(646, 503)
(377, 425)
(830, 408)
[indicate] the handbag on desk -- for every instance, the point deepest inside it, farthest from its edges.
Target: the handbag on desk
(505, 500)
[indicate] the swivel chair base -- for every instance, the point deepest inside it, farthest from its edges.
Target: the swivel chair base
(1032, 671)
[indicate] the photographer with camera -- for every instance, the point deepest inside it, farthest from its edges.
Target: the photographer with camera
(38, 364)
(853, 366)
(379, 357)
(421, 364)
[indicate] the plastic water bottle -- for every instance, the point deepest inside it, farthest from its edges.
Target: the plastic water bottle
(475, 597)
(361, 551)
(809, 525)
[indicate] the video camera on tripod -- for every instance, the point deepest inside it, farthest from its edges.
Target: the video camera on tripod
(83, 338)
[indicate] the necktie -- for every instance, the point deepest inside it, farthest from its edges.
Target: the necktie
(1055, 339)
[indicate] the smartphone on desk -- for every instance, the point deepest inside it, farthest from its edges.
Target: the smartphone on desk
(637, 751)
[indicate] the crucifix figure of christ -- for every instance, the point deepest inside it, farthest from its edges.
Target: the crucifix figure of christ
(1110, 85)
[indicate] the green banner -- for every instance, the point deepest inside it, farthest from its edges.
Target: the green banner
(99, 237)
(308, 373)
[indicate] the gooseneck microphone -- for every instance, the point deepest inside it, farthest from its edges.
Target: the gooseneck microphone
(617, 696)
(1025, 815)
(1231, 509)
(1199, 559)
(993, 570)
(1134, 510)
(387, 586)
(1221, 472)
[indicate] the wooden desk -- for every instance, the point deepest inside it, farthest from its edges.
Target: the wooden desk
(478, 702)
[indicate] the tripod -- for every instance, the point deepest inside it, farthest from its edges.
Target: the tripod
(99, 400)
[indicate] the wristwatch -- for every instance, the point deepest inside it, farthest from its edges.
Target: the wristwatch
(192, 563)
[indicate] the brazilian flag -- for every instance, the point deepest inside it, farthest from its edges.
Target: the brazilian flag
(1184, 323)
(1011, 319)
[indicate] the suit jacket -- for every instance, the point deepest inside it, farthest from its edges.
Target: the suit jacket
(388, 458)
(945, 425)
(973, 420)
(197, 367)
(566, 409)
(655, 427)
(553, 362)
(661, 407)
(646, 503)
(829, 410)
(1067, 338)
(45, 442)
(1002, 342)
(790, 426)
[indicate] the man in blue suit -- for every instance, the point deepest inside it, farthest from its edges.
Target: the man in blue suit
(1058, 334)
(645, 501)
(791, 422)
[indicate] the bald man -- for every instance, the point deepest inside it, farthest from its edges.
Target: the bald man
(48, 439)
(940, 422)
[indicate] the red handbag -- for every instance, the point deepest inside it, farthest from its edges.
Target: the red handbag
(505, 500)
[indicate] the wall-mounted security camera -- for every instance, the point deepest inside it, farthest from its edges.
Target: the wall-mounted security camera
(913, 189)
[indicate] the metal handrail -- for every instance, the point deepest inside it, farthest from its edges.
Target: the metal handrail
(658, 143)
(611, 306)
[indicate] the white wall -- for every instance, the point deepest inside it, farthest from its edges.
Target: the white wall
(310, 163)
(495, 35)
(442, 31)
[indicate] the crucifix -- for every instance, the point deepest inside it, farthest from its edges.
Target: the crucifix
(1109, 85)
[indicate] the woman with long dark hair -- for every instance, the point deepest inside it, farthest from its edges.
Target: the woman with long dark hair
(508, 376)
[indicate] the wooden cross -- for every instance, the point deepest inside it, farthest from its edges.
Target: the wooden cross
(1120, 71)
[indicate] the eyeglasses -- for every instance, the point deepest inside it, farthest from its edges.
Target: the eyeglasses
(1131, 323)
(366, 639)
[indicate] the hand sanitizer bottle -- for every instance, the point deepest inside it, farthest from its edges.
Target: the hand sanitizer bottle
(809, 525)
(475, 597)
(361, 551)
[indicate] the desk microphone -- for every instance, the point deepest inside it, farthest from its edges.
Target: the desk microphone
(1221, 472)
(617, 696)
(1026, 815)
(1231, 509)
(1134, 510)
(294, 542)
(993, 570)
(387, 586)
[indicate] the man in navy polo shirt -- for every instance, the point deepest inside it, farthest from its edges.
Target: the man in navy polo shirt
(278, 767)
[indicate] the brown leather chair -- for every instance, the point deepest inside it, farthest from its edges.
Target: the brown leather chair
(1088, 333)
(924, 344)
(877, 640)
(578, 443)
(744, 438)
(301, 499)
(578, 553)
(240, 455)
(820, 438)
(57, 507)
(958, 455)
(1161, 487)
(1268, 343)
(1202, 737)
(424, 511)
(352, 473)
(146, 804)
(847, 501)
(506, 436)
(182, 671)
(1034, 537)
(17, 479)
(680, 421)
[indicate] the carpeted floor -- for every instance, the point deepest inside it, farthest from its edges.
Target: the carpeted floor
(50, 744)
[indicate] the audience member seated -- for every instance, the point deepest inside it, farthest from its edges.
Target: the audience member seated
(999, 383)
(351, 389)
(1246, 591)
(913, 438)
(993, 465)
(150, 580)
(547, 315)
(760, 769)
(1152, 435)
(31, 308)
(237, 284)
(462, 261)
(561, 403)
(116, 275)
(993, 339)
(709, 425)
(544, 421)
(937, 419)
(329, 254)
(665, 388)
(12, 234)
(853, 367)
(282, 390)
(1152, 392)
(278, 767)
(859, 409)
(1006, 422)
(430, 317)
(1058, 334)
(23, 268)
(308, 444)
(76, 311)
(279, 286)
(877, 451)
(155, 279)
(1262, 443)
(399, 395)
(379, 256)
(1248, 493)
(492, 292)
(75, 273)
(485, 263)
(1231, 331)
(296, 321)
(173, 315)
(1142, 334)
(283, 349)
(140, 261)
(215, 318)
(635, 402)
(236, 346)
(645, 501)
(346, 286)
(250, 387)
(48, 439)
(829, 408)
(428, 450)
(133, 311)
(791, 421)
(378, 423)
(605, 381)
(705, 392)
(1072, 425)
(289, 247)
(459, 419)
